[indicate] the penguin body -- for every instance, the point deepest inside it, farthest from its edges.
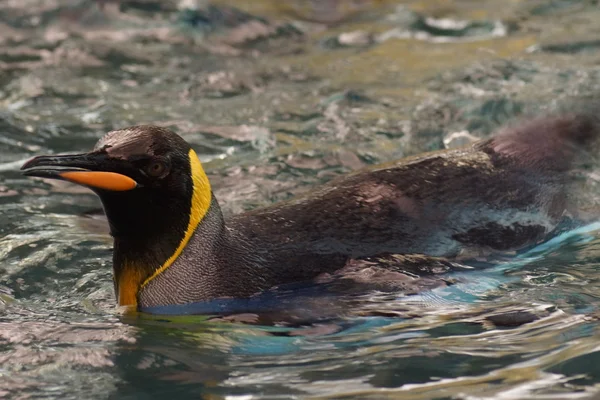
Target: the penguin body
(173, 246)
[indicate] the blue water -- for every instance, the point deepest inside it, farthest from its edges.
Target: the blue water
(277, 97)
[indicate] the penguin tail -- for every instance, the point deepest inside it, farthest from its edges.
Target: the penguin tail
(551, 142)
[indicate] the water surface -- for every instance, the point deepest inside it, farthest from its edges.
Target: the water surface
(277, 97)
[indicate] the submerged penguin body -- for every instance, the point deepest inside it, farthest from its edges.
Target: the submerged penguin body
(173, 246)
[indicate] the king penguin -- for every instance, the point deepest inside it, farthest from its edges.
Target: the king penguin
(173, 246)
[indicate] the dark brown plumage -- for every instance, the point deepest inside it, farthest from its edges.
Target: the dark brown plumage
(500, 194)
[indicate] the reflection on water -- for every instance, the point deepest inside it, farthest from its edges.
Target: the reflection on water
(277, 97)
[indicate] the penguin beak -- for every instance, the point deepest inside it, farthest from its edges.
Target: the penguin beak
(92, 170)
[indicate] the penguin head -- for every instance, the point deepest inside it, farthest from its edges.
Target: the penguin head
(154, 192)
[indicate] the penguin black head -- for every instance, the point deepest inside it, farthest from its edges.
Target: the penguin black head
(154, 192)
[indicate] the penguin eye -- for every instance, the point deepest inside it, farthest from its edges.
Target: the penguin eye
(156, 168)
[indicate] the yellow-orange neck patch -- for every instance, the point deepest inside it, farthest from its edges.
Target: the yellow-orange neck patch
(129, 282)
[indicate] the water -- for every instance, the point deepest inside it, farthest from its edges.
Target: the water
(277, 97)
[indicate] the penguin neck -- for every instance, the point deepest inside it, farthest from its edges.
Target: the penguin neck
(138, 260)
(149, 238)
(203, 271)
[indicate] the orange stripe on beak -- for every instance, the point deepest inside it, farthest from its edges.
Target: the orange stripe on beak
(101, 180)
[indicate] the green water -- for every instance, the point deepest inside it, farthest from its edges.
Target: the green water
(277, 97)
